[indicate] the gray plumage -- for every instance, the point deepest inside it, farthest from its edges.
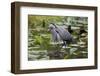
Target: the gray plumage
(60, 33)
(55, 35)
(64, 34)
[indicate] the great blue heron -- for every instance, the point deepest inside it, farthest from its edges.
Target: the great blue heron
(59, 32)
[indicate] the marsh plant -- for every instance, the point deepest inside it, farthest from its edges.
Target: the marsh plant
(42, 47)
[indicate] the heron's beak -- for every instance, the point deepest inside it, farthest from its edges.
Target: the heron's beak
(48, 30)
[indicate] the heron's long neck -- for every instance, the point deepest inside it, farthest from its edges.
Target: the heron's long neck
(53, 31)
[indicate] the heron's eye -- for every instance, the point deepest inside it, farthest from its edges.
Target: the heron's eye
(51, 28)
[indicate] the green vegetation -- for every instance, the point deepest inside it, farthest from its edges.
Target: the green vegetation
(40, 45)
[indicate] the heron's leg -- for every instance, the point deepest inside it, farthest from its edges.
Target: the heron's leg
(64, 44)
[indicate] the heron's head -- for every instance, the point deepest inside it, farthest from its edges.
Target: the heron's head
(51, 27)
